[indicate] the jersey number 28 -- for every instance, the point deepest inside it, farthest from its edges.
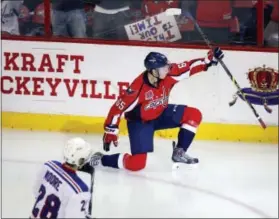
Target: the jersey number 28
(51, 205)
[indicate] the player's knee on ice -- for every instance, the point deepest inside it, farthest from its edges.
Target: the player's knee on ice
(134, 162)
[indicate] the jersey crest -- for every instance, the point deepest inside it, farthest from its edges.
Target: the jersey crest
(162, 101)
(149, 95)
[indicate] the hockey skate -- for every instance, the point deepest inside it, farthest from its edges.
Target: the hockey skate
(95, 160)
(179, 156)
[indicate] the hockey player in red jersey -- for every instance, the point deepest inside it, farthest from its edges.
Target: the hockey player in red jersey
(146, 109)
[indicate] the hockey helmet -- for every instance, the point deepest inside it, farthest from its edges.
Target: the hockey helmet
(155, 60)
(77, 151)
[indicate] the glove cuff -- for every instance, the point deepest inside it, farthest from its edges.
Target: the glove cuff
(112, 130)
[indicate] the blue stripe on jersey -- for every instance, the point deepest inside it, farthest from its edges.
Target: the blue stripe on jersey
(59, 174)
(74, 176)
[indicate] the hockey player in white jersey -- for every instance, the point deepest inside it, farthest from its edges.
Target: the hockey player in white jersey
(64, 190)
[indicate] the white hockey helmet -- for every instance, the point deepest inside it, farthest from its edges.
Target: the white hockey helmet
(77, 151)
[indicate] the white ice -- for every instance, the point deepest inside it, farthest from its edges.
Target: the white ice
(232, 179)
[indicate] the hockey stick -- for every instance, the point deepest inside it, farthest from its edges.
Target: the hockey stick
(91, 190)
(87, 168)
(178, 11)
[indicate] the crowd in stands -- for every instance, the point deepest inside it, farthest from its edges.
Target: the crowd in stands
(223, 21)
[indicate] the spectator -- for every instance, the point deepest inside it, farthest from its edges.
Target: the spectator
(242, 9)
(9, 16)
(271, 31)
(186, 26)
(244, 12)
(68, 18)
(31, 18)
(152, 7)
(110, 17)
(251, 26)
(217, 20)
(89, 10)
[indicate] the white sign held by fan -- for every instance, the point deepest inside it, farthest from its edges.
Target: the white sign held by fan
(160, 27)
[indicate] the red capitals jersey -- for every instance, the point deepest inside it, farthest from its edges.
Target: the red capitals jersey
(152, 7)
(142, 101)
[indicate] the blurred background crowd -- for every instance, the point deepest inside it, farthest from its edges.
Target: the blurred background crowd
(231, 22)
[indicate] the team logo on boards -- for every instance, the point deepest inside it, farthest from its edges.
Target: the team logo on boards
(264, 88)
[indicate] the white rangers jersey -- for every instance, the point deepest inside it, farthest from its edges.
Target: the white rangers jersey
(9, 16)
(61, 192)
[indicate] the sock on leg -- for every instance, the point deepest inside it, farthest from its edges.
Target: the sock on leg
(185, 138)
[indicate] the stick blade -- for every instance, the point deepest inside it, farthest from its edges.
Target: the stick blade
(173, 11)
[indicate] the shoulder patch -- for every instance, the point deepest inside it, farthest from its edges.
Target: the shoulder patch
(129, 91)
